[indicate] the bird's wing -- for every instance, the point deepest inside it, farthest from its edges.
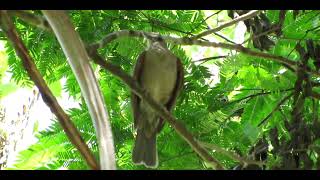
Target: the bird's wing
(135, 100)
(179, 86)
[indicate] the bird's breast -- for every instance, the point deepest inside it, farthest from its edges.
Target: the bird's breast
(159, 75)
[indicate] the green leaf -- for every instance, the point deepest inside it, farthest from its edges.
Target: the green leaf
(56, 88)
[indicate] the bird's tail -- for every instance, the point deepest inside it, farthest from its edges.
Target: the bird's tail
(145, 150)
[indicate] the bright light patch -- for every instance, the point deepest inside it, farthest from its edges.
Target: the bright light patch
(282, 71)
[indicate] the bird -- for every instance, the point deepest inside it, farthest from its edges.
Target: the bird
(160, 73)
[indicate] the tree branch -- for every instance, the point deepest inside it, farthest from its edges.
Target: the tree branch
(33, 19)
(209, 58)
(230, 23)
(210, 16)
(232, 155)
(47, 96)
(276, 108)
(78, 59)
(222, 37)
(276, 28)
(188, 41)
(305, 35)
(258, 94)
(290, 64)
(262, 34)
(161, 110)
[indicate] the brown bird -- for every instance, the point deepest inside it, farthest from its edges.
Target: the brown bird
(160, 73)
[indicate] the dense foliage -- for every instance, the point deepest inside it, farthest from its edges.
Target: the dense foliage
(227, 114)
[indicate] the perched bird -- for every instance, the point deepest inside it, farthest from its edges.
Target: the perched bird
(160, 73)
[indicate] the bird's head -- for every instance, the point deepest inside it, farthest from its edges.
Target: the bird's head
(158, 47)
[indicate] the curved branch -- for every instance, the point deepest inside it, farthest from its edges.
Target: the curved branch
(47, 96)
(79, 61)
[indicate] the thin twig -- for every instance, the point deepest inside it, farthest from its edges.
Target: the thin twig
(284, 116)
(227, 24)
(210, 17)
(261, 34)
(209, 58)
(276, 108)
(161, 110)
(257, 94)
(249, 89)
(283, 38)
(232, 155)
(305, 35)
(228, 40)
(47, 96)
(161, 24)
(275, 28)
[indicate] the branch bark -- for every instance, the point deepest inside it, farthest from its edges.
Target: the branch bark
(33, 19)
(161, 110)
(290, 64)
(47, 96)
(79, 61)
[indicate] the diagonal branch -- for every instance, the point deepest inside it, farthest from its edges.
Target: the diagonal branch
(257, 94)
(262, 34)
(78, 59)
(231, 155)
(47, 96)
(161, 110)
(277, 28)
(210, 16)
(227, 24)
(222, 37)
(276, 108)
